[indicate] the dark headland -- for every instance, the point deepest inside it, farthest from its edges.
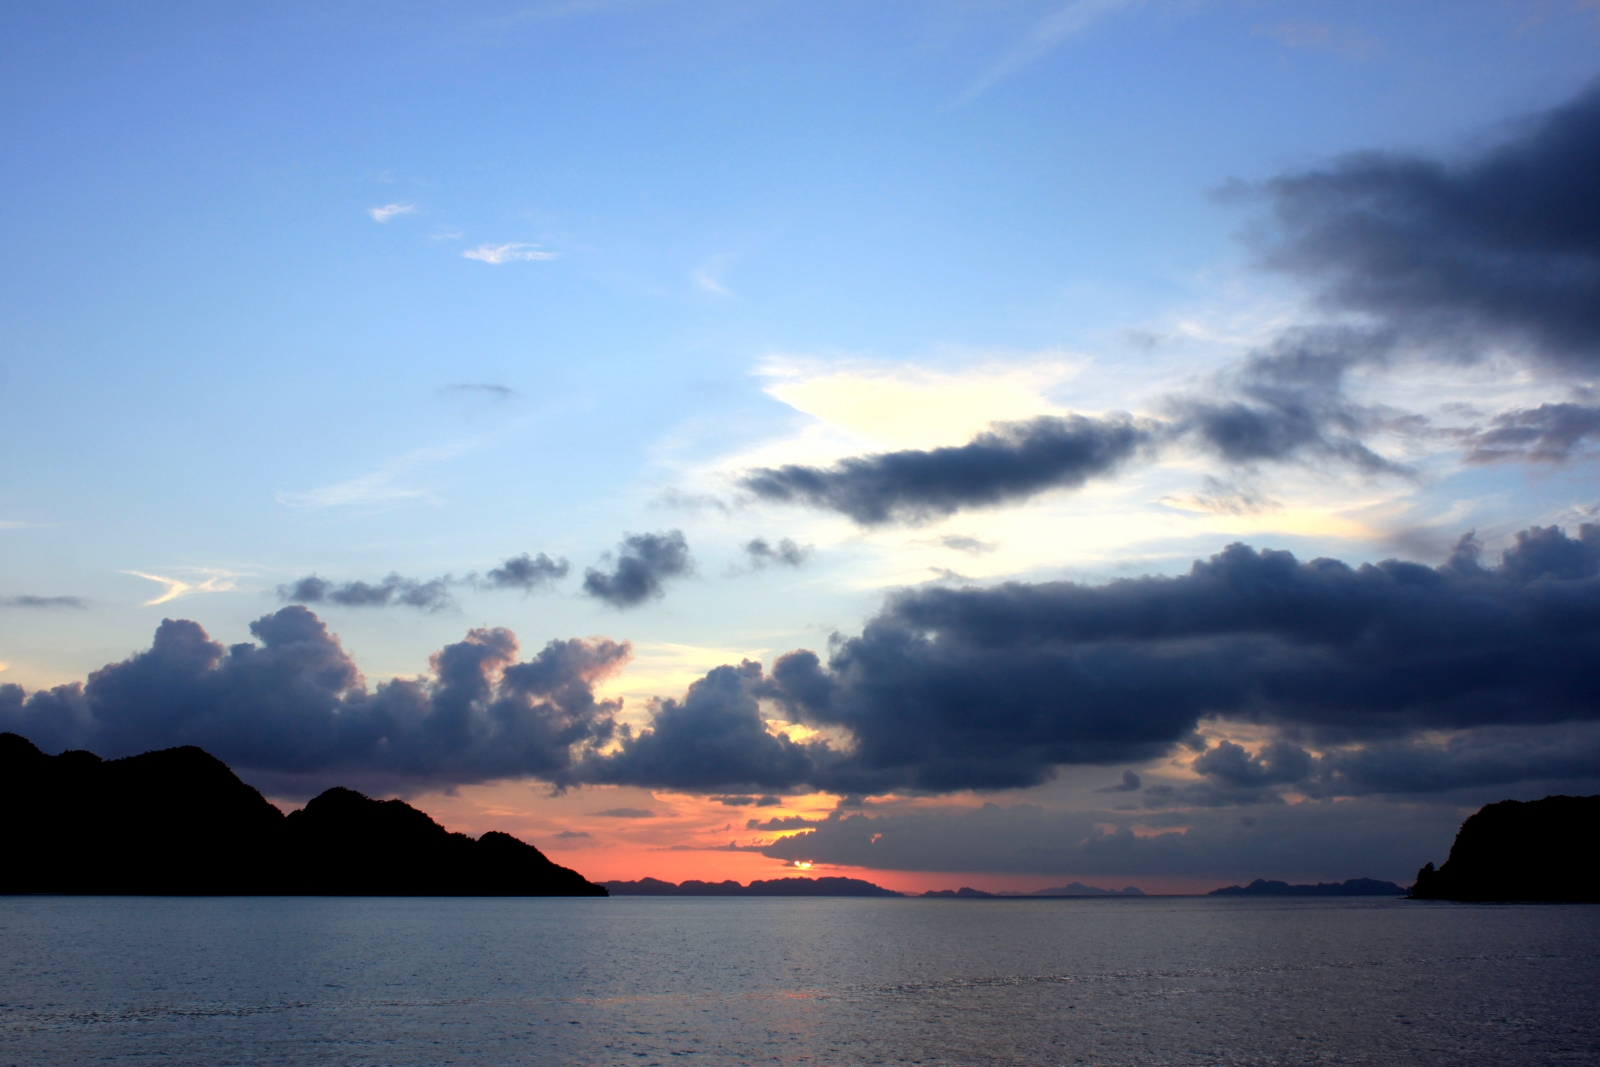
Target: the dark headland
(1537, 850)
(179, 822)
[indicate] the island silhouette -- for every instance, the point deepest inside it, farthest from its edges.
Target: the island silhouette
(1536, 850)
(179, 822)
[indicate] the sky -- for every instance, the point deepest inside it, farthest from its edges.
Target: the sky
(951, 443)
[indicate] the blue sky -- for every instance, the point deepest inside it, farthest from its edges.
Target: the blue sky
(356, 289)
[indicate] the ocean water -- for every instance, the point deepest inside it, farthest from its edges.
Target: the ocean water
(310, 981)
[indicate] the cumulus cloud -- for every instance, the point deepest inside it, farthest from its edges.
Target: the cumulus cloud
(786, 553)
(955, 689)
(1012, 461)
(294, 708)
(26, 601)
(643, 564)
(526, 572)
(496, 255)
(1360, 675)
(431, 595)
(1503, 246)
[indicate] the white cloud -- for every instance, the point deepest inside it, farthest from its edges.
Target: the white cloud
(389, 211)
(378, 487)
(511, 253)
(177, 587)
(1047, 33)
(706, 282)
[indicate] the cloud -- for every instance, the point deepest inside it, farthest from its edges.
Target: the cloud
(707, 282)
(1130, 784)
(509, 253)
(1287, 402)
(1321, 37)
(176, 587)
(957, 689)
(294, 712)
(1045, 35)
(787, 553)
(644, 563)
(498, 392)
(389, 211)
(972, 546)
(1011, 461)
(43, 602)
(1500, 247)
(1549, 433)
(627, 813)
(526, 572)
(1364, 679)
(1326, 839)
(431, 595)
(570, 835)
(377, 487)
(715, 739)
(768, 801)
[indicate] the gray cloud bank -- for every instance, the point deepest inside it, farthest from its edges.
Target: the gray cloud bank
(945, 690)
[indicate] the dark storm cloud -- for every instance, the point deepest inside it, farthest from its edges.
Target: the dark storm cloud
(1549, 433)
(526, 572)
(1504, 245)
(768, 801)
(43, 602)
(787, 553)
(431, 595)
(955, 689)
(1010, 462)
(295, 705)
(644, 562)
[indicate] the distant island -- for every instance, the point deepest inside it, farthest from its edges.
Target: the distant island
(1537, 850)
(179, 822)
(1352, 887)
(1075, 889)
(771, 887)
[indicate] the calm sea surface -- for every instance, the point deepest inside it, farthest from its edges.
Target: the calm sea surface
(655, 981)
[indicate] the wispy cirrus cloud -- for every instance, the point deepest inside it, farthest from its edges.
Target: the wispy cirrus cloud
(1049, 32)
(177, 587)
(496, 255)
(389, 211)
(381, 486)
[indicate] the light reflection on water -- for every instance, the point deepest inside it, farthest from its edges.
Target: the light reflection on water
(794, 981)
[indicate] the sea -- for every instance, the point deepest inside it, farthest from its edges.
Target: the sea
(715, 981)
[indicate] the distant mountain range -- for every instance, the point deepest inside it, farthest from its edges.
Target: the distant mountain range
(1537, 850)
(179, 822)
(1353, 887)
(1076, 889)
(772, 887)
